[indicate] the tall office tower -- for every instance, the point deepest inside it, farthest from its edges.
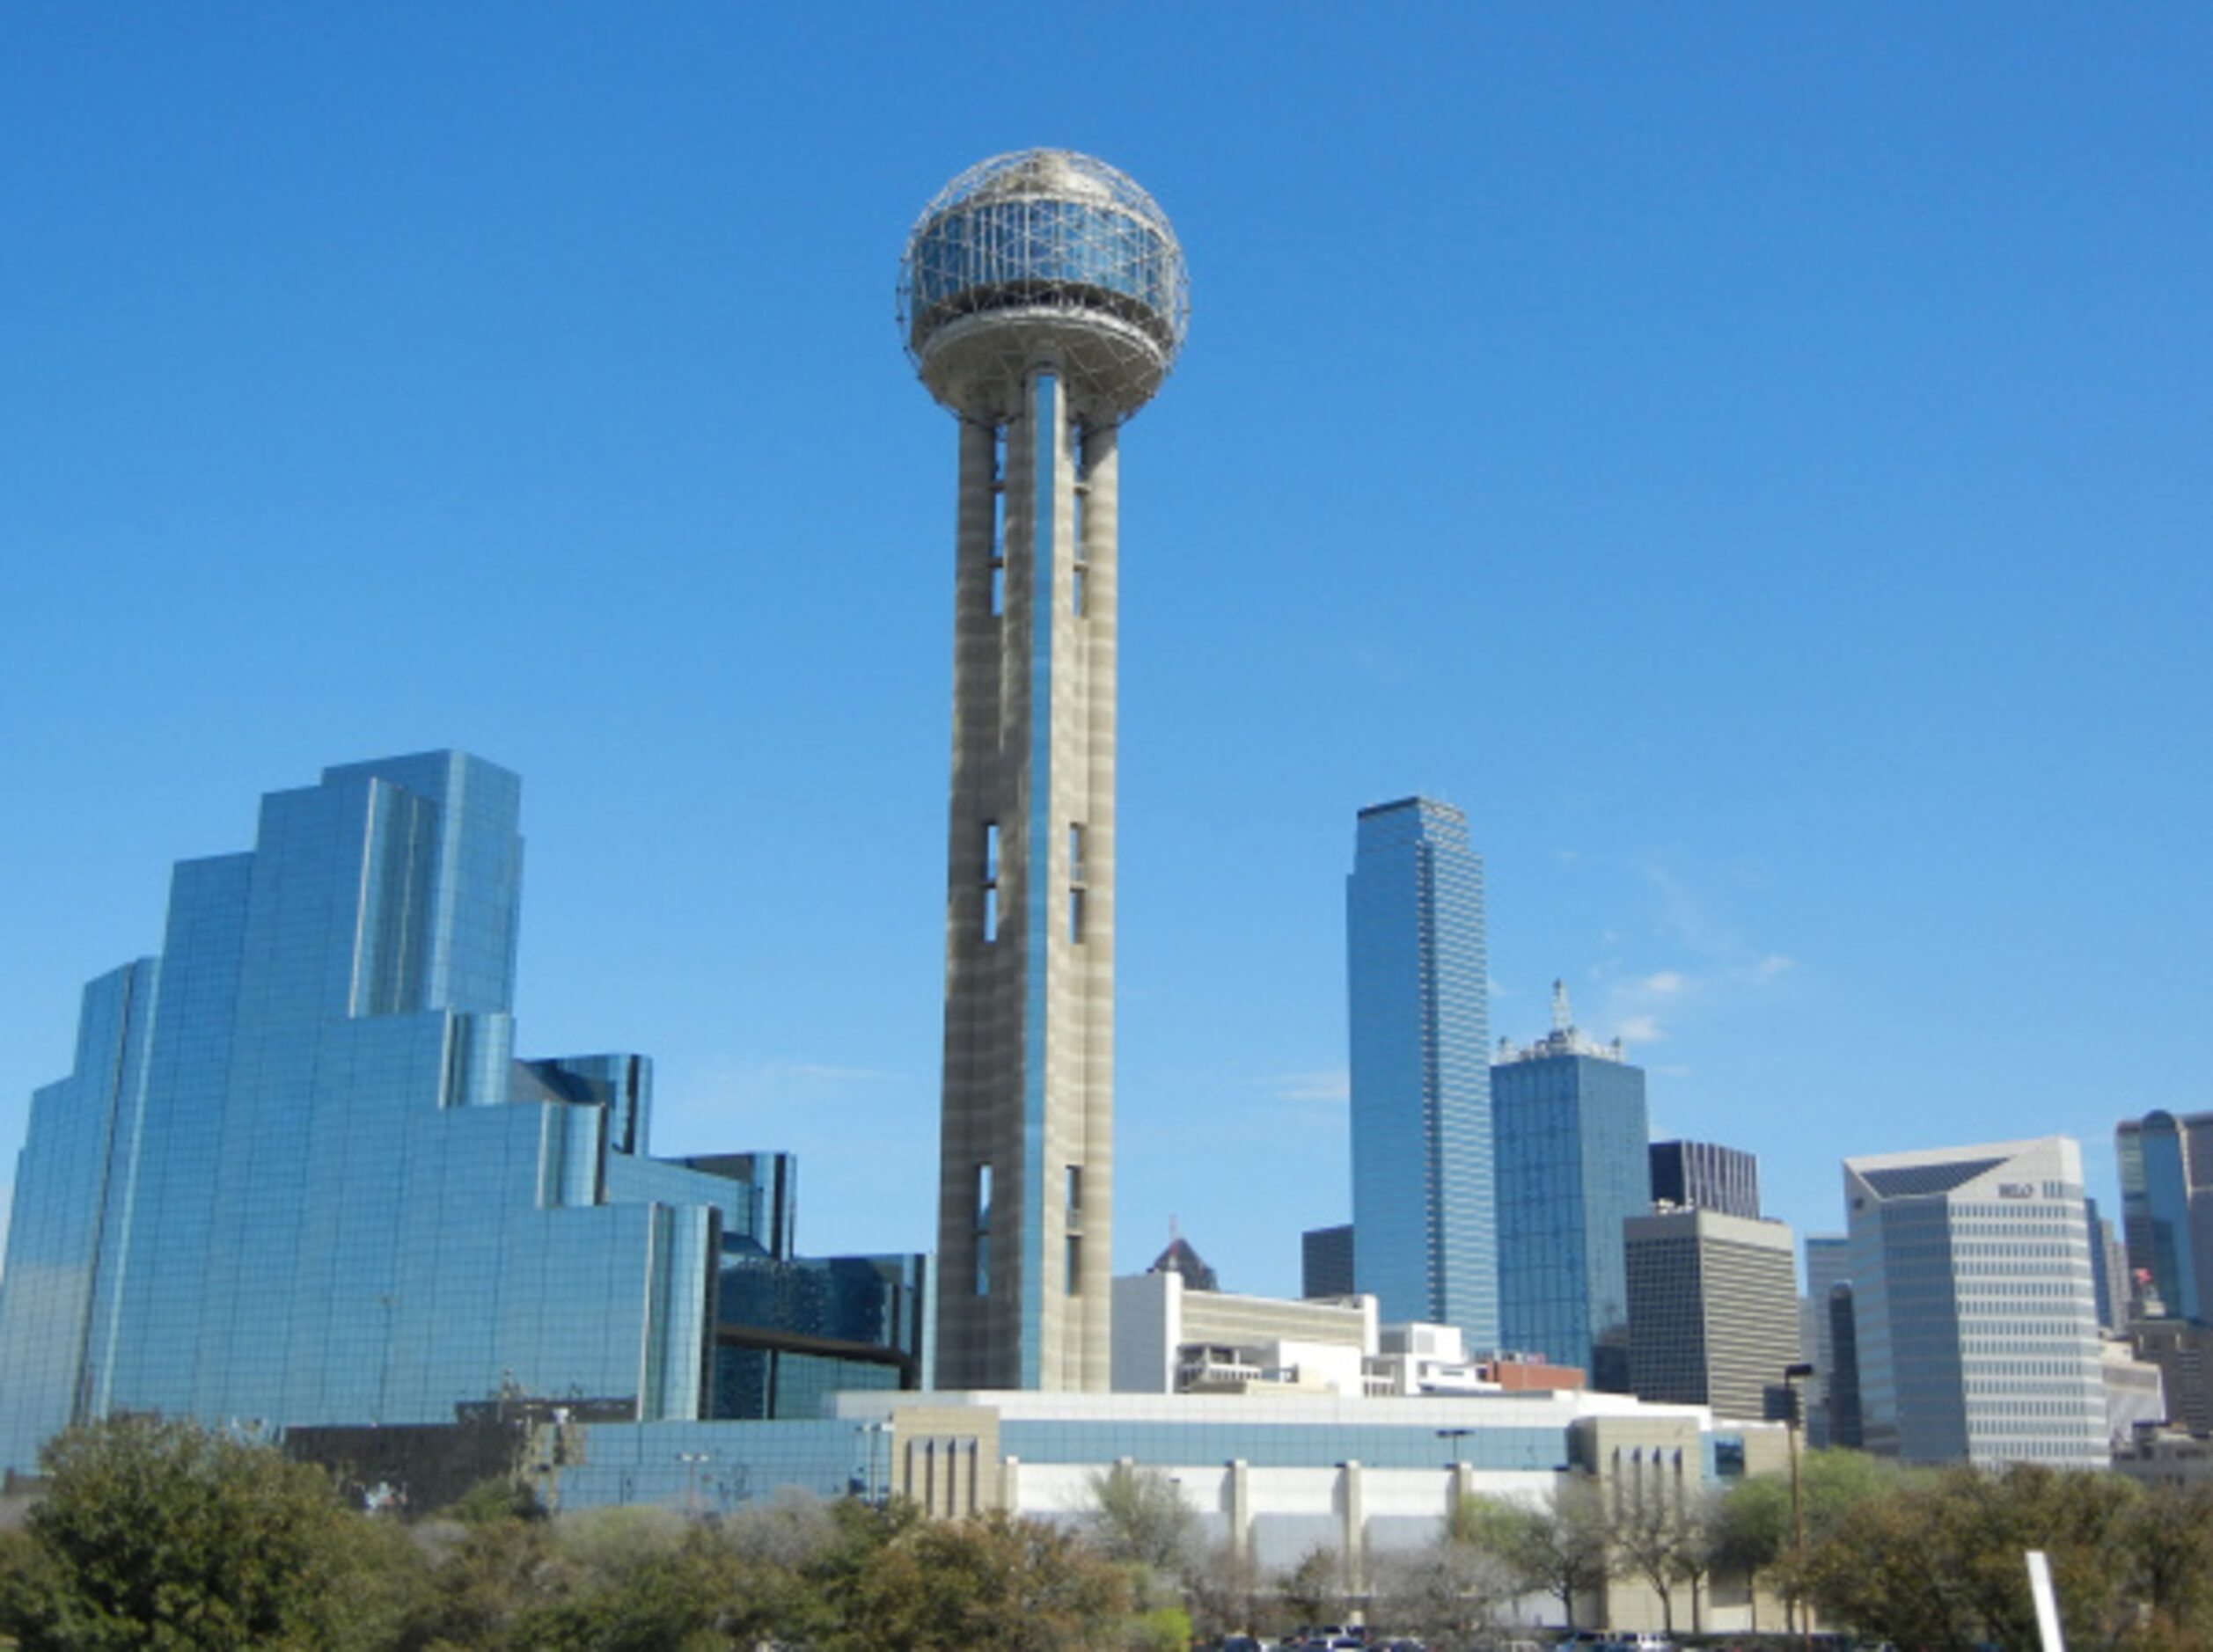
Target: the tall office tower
(1977, 1327)
(2112, 1261)
(1846, 1428)
(2108, 1271)
(1712, 1311)
(1827, 1265)
(1325, 1261)
(1568, 1122)
(1707, 1175)
(1424, 1222)
(299, 1176)
(2166, 1208)
(2184, 1354)
(1043, 297)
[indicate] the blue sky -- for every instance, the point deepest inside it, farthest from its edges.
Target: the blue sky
(1752, 458)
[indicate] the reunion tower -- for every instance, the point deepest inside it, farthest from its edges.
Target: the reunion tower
(1043, 297)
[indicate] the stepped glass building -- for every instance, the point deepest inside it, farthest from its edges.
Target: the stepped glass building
(298, 1176)
(1044, 299)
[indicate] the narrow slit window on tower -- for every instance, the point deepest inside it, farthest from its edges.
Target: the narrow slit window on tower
(982, 1230)
(1076, 577)
(1075, 917)
(1075, 1191)
(1075, 852)
(1075, 1263)
(999, 545)
(990, 881)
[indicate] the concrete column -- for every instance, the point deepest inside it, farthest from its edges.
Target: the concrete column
(1355, 1531)
(1240, 1509)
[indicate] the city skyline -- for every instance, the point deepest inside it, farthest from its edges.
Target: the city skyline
(1834, 400)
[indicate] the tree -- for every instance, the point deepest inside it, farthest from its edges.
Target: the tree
(1224, 1593)
(1699, 1553)
(1646, 1536)
(2170, 1542)
(1562, 1551)
(488, 1571)
(1139, 1518)
(1314, 1590)
(682, 1598)
(1446, 1594)
(156, 1533)
(1940, 1565)
(1752, 1532)
(990, 1581)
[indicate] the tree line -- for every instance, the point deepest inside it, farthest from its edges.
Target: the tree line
(153, 1533)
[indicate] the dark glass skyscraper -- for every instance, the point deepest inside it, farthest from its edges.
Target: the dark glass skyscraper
(1706, 1176)
(1423, 1192)
(1570, 1124)
(2166, 1208)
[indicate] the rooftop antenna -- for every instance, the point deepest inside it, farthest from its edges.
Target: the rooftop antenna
(1562, 1022)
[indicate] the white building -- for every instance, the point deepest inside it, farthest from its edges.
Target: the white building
(1271, 1477)
(1976, 1320)
(1170, 1339)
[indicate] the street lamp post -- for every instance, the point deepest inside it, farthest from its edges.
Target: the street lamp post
(1791, 1377)
(1453, 1438)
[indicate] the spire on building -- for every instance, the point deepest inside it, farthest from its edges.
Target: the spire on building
(1180, 1258)
(1564, 1039)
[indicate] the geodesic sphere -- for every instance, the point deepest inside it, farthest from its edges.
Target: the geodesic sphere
(1043, 257)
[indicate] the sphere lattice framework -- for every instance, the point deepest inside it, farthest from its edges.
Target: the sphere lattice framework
(1044, 257)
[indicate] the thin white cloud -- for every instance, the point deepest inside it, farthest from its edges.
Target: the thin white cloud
(1641, 1029)
(1328, 1083)
(829, 1072)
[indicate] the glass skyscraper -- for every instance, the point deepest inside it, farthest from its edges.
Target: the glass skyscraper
(1570, 1125)
(2166, 1208)
(1425, 1233)
(297, 1175)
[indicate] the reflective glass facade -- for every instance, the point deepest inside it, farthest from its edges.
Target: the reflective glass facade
(1571, 1136)
(297, 1175)
(827, 1323)
(988, 254)
(2166, 1208)
(1417, 986)
(1706, 1175)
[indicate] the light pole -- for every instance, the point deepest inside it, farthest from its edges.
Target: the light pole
(1452, 1519)
(1792, 1375)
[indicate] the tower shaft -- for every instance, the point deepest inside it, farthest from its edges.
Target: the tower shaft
(1026, 1161)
